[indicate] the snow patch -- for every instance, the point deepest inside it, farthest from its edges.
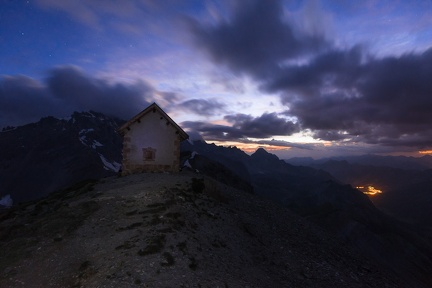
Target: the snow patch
(114, 166)
(85, 131)
(187, 164)
(83, 137)
(193, 155)
(96, 144)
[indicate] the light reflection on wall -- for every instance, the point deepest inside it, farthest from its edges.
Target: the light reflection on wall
(369, 190)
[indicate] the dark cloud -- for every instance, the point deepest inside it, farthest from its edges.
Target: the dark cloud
(203, 107)
(81, 92)
(212, 131)
(330, 135)
(169, 97)
(68, 89)
(338, 94)
(264, 126)
(382, 101)
(244, 126)
(334, 68)
(22, 100)
(256, 39)
(282, 143)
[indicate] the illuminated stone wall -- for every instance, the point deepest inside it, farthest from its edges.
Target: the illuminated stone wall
(151, 144)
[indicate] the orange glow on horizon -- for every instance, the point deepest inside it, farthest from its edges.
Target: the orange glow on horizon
(425, 152)
(220, 122)
(250, 147)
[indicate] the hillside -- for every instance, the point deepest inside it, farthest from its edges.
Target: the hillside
(51, 154)
(338, 208)
(407, 191)
(161, 230)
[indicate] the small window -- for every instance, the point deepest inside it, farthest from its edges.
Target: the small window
(149, 154)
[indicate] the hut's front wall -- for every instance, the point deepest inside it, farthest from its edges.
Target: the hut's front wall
(151, 145)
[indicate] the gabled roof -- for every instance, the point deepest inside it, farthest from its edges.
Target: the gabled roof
(153, 108)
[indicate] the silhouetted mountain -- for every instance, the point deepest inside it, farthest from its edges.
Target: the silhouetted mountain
(407, 193)
(339, 208)
(401, 162)
(412, 204)
(43, 157)
(39, 158)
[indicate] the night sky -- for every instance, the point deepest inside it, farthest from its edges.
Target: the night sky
(300, 78)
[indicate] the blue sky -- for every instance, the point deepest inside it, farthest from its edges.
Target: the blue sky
(300, 78)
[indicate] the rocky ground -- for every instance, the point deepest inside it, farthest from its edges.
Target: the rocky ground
(166, 230)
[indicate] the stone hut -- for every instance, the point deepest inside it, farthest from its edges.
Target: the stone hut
(151, 142)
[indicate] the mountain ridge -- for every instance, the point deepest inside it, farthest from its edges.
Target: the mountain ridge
(162, 230)
(53, 154)
(407, 193)
(314, 195)
(401, 162)
(336, 207)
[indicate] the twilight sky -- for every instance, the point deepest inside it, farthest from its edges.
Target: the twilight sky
(300, 78)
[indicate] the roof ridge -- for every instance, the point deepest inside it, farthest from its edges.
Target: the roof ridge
(149, 108)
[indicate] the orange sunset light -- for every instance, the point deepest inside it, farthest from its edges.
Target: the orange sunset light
(251, 147)
(426, 152)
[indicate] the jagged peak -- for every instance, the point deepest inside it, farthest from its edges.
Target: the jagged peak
(261, 152)
(265, 158)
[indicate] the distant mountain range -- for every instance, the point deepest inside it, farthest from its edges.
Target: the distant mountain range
(319, 197)
(401, 162)
(406, 182)
(39, 158)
